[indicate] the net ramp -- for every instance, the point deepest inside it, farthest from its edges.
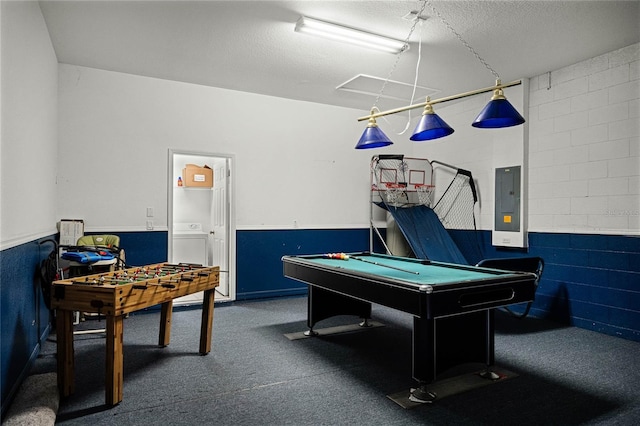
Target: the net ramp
(423, 211)
(426, 235)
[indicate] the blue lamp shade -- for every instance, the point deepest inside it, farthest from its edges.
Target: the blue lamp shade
(431, 126)
(373, 137)
(498, 113)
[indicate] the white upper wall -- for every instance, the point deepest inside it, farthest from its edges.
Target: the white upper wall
(29, 149)
(585, 146)
(294, 161)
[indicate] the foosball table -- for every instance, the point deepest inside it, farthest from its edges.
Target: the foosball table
(114, 295)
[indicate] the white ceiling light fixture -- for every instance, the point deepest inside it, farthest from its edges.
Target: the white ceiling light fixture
(349, 35)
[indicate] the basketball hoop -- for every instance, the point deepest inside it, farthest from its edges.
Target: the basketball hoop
(394, 193)
(425, 194)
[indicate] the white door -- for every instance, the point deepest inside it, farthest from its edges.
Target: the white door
(219, 218)
(207, 209)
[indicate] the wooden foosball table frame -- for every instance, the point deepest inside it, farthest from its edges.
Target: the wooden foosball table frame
(116, 294)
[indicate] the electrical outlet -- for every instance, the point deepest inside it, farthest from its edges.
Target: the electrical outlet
(149, 211)
(149, 225)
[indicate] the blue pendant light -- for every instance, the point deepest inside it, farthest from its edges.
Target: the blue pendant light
(431, 126)
(498, 112)
(373, 137)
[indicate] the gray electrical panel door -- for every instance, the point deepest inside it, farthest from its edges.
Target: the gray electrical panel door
(507, 208)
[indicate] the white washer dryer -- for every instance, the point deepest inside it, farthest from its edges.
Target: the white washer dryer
(190, 244)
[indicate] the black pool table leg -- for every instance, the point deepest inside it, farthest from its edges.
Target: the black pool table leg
(490, 346)
(365, 323)
(313, 299)
(423, 362)
(323, 304)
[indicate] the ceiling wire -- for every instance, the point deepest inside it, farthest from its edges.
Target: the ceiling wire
(415, 80)
(462, 40)
(417, 20)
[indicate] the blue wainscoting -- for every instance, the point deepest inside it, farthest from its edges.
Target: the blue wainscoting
(144, 248)
(259, 253)
(589, 281)
(24, 317)
(593, 281)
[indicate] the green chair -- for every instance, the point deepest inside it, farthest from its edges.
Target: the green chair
(96, 243)
(102, 242)
(107, 241)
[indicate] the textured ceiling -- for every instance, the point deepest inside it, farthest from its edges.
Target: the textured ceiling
(251, 45)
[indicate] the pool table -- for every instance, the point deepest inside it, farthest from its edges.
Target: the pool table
(452, 305)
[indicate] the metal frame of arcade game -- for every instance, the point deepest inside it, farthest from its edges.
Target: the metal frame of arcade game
(421, 209)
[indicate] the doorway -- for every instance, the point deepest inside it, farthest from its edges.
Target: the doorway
(200, 218)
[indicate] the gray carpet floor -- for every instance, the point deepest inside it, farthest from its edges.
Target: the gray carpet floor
(255, 375)
(36, 403)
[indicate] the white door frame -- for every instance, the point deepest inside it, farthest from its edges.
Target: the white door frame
(230, 269)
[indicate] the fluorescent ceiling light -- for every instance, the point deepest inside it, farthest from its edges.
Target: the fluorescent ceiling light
(348, 35)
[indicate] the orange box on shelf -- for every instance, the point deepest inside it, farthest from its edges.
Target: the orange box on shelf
(193, 175)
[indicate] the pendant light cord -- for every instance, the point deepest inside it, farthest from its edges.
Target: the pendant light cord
(462, 40)
(415, 83)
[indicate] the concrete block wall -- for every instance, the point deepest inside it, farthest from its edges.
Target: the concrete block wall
(584, 146)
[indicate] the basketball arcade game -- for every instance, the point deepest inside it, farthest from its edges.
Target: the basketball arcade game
(117, 293)
(406, 188)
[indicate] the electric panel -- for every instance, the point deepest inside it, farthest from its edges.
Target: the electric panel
(507, 210)
(509, 228)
